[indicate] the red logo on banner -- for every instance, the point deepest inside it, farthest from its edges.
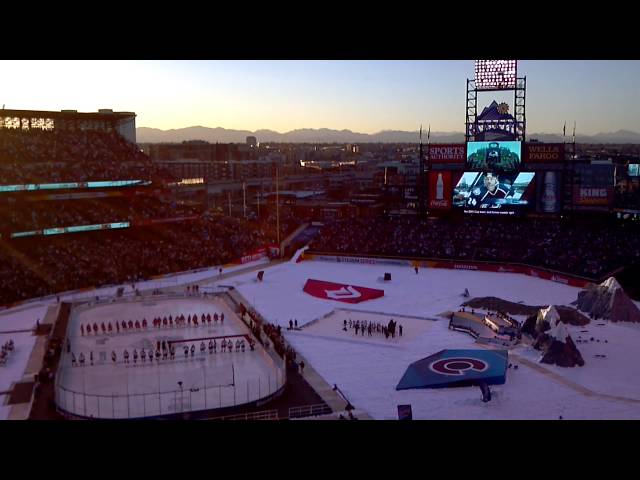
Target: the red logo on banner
(340, 291)
(440, 189)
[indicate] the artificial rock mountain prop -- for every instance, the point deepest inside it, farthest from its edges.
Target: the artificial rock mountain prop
(608, 301)
(558, 347)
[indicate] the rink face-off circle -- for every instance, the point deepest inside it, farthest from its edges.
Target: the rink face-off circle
(202, 380)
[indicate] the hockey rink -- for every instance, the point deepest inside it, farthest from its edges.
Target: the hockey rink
(209, 380)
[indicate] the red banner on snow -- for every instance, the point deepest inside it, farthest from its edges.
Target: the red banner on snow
(341, 291)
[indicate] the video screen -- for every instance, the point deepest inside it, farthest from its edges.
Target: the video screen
(634, 170)
(493, 192)
(494, 156)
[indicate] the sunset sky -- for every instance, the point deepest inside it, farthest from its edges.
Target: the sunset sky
(363, 96)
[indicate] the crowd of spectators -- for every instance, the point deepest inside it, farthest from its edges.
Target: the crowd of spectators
(627, 194)
(38, 266)
(51, 156)
(579, 248)
(23, 216)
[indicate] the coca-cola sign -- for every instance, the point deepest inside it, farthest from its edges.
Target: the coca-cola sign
(341, 292)
(447, 153)
(440, 190)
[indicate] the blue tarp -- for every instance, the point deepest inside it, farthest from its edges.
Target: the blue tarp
(453, 368)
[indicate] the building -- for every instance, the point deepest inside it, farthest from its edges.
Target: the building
(252, 141)
(105, 120)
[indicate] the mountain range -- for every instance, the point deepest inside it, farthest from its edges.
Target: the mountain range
(325, 135)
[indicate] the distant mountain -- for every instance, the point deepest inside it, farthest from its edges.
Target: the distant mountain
(326, 135)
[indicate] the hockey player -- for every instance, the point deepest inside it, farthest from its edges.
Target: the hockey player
(400, 329)
(172, 352)
(81, 359)
(165, 354)
(110, 328)
(144, 323)
(189, 320)
(137, 324)
(186, 351)
(114, 357)
(143, 356)
(73, 359)
(124, 325)
(215, 317)
(126, 356)
(195, 320)
(215, 346)
(103, 328)
(130, 325)
(357, 327)
(221, 318)
(193, 350)
(171, 322)
(91, 357)
(208, 318)
(210, 347)
(203, 319)
(117, 327)
(135, 356)
(242, 345)
(202, 348)
(237, 345)
(165, 322)
(223, 345)
(157, 355)
(82, 330)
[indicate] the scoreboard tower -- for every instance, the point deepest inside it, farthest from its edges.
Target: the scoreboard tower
(496, 75)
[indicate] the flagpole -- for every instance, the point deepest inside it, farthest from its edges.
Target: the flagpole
(278, 210)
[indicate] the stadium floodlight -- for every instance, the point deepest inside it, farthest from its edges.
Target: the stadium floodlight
(496, 74)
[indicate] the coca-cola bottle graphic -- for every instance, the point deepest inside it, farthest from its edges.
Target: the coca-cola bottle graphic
(549, 195)
(440, 188)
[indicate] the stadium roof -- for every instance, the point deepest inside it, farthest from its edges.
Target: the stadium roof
(104, 114)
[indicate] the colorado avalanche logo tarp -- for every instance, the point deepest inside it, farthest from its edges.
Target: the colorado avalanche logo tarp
(452, 368)
(341, 292)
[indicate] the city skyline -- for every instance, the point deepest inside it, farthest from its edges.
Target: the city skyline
(361, 96)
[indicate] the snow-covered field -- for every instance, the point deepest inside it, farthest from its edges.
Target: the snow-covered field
(368, 370)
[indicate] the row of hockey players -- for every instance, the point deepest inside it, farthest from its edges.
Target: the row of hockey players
(170, 322)
(168, 351)
(7, 348)
(371, 328)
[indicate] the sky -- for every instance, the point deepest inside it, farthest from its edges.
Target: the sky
(362, 96)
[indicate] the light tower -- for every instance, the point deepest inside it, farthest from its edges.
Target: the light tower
(496, 76)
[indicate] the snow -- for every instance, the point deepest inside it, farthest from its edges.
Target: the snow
(551, 315)
(22, 318)
(12, 371)
(368, 369)
(611, 283)
(559, 332)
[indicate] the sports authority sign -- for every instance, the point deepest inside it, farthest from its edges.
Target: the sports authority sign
(447, 153)
(341, 292)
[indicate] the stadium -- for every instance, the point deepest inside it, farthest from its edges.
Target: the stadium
(491, 279)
